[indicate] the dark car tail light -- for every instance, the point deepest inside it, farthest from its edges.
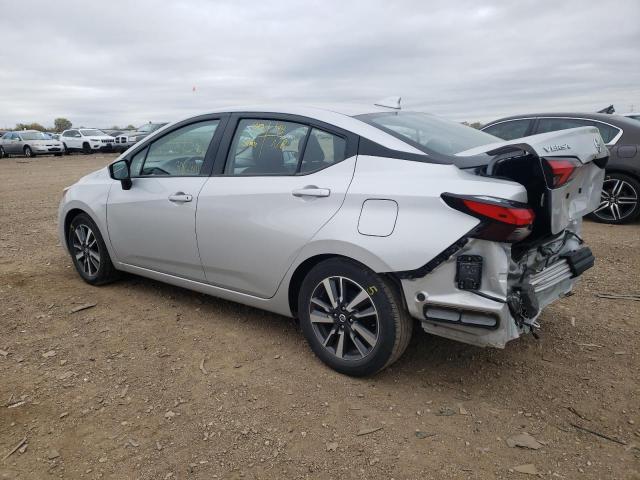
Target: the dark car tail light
(559, 171)
(501, 220)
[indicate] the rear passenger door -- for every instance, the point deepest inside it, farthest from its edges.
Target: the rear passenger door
(277, 182)
(13, 144)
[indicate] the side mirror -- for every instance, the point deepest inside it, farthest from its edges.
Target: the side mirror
(120, 171)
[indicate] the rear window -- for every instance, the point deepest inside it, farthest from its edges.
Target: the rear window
(428, 133)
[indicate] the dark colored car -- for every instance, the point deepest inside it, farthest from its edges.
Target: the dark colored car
(620, 202)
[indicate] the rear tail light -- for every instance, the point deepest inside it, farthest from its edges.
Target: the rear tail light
(559, 171)
(500, 220)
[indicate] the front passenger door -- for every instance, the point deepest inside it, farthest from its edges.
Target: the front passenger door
(152, 225)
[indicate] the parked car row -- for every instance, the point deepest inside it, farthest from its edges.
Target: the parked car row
(86, 140)
(620, 200)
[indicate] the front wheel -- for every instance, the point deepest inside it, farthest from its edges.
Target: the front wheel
(86, 149)
(2, 153)
(619, 201)
(352, 318)
(28, 152)
(89, 252)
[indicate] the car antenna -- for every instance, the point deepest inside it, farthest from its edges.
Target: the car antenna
(389, 102)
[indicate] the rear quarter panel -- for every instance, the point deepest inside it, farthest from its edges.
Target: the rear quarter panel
(425, 225)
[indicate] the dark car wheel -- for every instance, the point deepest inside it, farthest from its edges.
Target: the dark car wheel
(2, 153)
(66, 149)
(620, 199)
(89, 252)
(352, 318)
(28, 152)
(86, 149)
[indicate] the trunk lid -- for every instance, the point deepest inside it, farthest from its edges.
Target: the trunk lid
(527, 161)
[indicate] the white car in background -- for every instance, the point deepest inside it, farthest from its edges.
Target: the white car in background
(359, 223)
(86, 140)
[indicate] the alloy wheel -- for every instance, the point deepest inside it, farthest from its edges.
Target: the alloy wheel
(85, 250)
(28, 152)
(344, 318)
(618, 200)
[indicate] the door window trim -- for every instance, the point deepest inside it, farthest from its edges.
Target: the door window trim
(536, 123)
(612, 142)
(351, 139)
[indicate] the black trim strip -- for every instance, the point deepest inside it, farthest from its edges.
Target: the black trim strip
(369, 147)
(434, 262)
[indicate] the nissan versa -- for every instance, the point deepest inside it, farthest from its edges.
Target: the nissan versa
(357, 221)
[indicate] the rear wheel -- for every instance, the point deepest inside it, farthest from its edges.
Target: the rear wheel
(352, 318)
(89, 252)
(66, 149)
(620, 199)
(28, 152)
(2, 153)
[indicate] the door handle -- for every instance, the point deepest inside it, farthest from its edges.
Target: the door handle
(180, 197)
(311, 192)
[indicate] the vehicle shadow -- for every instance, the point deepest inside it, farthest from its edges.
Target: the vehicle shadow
(428, 358)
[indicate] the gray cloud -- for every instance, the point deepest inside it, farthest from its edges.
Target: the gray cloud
(130, 62)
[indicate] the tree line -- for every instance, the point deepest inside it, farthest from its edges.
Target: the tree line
(59, 125)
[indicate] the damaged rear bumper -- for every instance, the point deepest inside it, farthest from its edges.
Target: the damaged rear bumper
(511, 290)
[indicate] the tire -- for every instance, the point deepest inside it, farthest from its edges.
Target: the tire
(28, 152)
(2, 153)
(66, 150)
(370, 341)
(620, 200)
(84, 246)
(86, 149)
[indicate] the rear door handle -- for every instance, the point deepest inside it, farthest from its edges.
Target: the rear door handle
(180, 197)
(311, 192)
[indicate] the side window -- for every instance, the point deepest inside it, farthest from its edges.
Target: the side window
(509, 130)
(265, 147)
(553, 124)
(322, 150)
(135, 166)
(181, 152)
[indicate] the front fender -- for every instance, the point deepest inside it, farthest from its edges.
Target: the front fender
(90, 198)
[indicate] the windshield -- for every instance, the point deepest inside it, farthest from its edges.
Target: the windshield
(428, 133)
(149, 127)
(92, 132)
(33, 136)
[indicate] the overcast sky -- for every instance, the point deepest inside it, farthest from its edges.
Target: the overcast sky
(103, 63)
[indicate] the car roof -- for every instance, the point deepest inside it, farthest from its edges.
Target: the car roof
(613, 119)
(341, 116)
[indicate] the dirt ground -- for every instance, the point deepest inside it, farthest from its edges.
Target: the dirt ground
(157, 382)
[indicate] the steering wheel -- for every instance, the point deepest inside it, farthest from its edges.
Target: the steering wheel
(157, 171)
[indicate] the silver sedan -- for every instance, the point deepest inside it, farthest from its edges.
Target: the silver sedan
(359, 222)
(29, 143)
